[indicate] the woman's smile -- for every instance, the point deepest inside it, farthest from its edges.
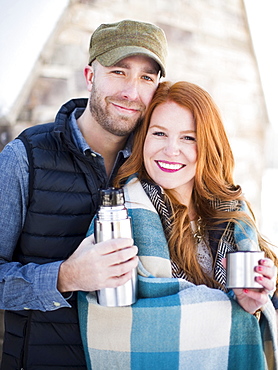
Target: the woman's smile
(169, 166)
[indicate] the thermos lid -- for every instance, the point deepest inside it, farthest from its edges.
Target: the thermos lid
(111, 197)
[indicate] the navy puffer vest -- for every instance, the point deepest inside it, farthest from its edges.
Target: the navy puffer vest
(63, 199)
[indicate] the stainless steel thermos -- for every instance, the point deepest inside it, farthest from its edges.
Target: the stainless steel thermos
(112, 221)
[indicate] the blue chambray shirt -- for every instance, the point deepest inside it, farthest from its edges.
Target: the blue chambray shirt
(31, 286)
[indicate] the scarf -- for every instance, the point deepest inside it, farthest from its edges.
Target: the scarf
(174, 324)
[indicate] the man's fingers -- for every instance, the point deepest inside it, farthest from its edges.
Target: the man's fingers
(113, 245)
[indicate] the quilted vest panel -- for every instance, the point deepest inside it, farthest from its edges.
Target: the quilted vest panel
(63, 199)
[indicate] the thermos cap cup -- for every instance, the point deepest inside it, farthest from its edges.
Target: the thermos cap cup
(111, 197)
(241, 269)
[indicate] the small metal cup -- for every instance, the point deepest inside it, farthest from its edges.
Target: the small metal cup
(241, 269)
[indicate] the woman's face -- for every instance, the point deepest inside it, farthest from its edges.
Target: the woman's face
(170, 149)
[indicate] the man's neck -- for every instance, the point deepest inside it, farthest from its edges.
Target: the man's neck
(100, 140)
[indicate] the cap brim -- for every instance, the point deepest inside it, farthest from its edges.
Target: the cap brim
(112, 57)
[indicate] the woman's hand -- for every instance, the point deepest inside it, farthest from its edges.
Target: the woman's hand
(252, 300)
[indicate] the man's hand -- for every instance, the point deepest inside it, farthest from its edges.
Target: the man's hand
(95, 266)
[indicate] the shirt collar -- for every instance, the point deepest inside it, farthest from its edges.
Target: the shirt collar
(81, 143)
(77, 136)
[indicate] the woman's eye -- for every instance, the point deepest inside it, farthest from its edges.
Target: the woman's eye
(189, 138)
(158, 133)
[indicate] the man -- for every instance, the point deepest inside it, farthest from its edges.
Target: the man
(50, 181)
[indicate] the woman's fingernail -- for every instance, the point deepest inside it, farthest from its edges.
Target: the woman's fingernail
(259, 268)
(245, 290)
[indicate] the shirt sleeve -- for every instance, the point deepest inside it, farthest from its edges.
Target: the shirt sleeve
(30, 286)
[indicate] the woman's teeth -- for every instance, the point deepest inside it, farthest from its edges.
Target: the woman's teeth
(170, 166)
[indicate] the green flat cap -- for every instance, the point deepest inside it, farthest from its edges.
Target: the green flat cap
(113, 42)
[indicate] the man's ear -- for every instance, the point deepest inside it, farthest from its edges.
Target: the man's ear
(89, 76)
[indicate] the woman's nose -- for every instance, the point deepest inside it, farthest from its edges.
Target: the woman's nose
(172, 148)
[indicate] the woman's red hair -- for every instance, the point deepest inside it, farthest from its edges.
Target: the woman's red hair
(213, 178)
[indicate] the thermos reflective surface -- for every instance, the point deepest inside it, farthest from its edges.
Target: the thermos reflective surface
(113, 222)
(240, 269)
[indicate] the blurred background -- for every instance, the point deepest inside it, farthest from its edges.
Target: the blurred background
(227, 47)
(224, 46)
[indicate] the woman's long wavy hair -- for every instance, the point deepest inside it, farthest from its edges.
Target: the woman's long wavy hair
(213, 178)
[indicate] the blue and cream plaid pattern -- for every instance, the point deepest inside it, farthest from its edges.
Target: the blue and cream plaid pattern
(174, 324)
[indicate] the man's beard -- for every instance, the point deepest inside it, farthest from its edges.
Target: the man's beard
(119, 126)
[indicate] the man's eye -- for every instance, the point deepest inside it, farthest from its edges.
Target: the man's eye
(118, 72)
(147, 78)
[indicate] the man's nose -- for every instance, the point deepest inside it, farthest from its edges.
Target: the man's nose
(131, 90)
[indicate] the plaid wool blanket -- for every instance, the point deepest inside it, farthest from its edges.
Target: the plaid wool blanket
(174, 324)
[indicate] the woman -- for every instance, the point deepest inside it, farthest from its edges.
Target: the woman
(182, 147)
(184, 163)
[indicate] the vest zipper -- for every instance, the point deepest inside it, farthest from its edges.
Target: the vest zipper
(24, 354)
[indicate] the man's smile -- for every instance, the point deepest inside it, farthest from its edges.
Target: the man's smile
(126, 106)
